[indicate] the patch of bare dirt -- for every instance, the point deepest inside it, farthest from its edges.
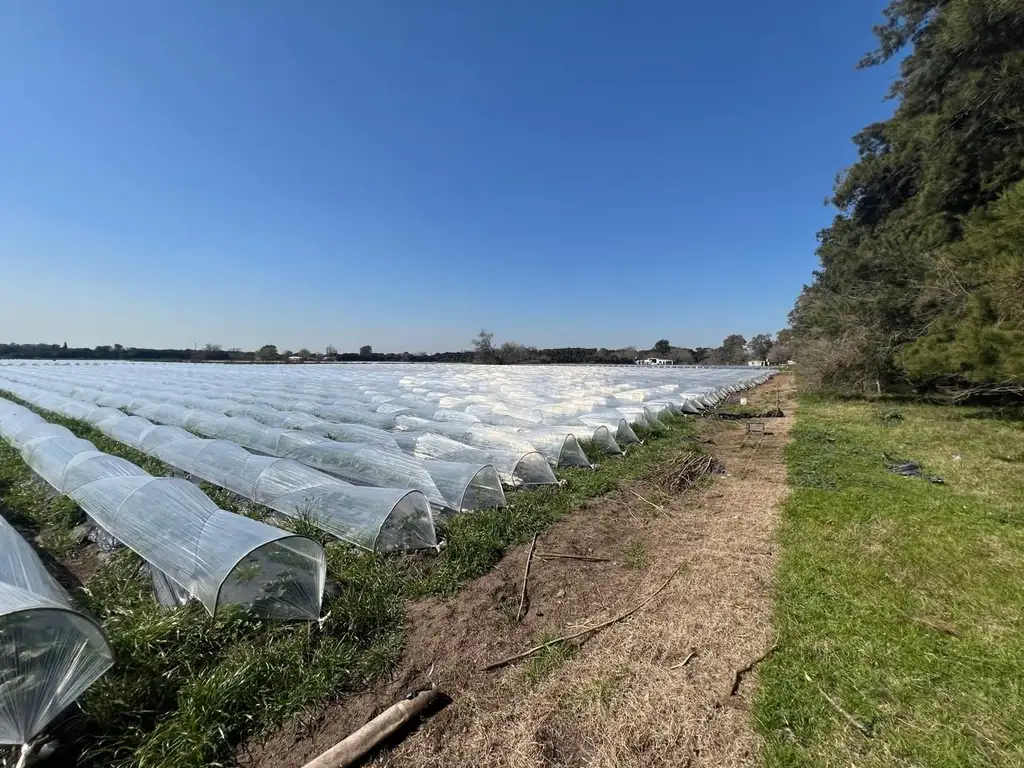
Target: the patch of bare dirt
(82, 565)
(625, 698)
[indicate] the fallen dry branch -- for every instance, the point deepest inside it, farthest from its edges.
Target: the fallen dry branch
(526, 576)
(588, 630)
(357, 745)
(685, 661)
(684, 471)
(645, 501)
(850, 719)
(567, 556)
(737, 677)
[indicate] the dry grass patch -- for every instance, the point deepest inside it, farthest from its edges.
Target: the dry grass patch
(622, 698)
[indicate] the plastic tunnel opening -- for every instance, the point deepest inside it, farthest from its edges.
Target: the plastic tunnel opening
(653, 420)
(484, 491)
(282, 579)
(603, 440)
(624, 434)
(410, 526)
(571, 454)
(531, 470)
(51, 655)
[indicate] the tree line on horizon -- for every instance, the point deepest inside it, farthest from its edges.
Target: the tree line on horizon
(735, 350)
(921, 284)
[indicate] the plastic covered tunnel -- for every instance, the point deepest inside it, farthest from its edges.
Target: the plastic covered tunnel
(373, 461)
(453, 484)
(217, 557)
(559, 450)
(378, 519)
(504, 416)
(50, 653)
(516, 468)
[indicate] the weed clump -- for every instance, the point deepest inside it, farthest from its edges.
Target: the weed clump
(635, 555)
(548, 659)
(892, 416)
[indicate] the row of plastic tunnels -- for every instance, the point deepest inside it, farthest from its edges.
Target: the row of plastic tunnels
(373, 459)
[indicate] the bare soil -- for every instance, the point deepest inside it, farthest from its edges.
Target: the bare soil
(81, 565)
(625, 697)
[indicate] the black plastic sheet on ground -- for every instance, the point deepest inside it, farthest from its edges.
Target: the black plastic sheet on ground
(906, 468)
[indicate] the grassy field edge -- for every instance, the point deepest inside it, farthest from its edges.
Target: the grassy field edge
(899, 600)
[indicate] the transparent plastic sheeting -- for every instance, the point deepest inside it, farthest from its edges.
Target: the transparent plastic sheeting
(516, 469)
(366, 404)
(49, 652)
(368, 458)
(535, 393)
(457, 486)
(638, 403)
(218, 557)
(560, 451)
(378, 519)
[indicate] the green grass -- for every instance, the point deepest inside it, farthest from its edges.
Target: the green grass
(186, 689)
(634, 555)
(27, 504)
(900, 599)
(598, 693)
(547, 660)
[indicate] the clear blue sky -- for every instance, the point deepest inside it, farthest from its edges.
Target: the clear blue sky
(402, 172)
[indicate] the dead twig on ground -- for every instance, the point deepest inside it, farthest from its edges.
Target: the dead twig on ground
(850, 719)
(645, 501)
(566, 556)
(737, 677)
(685, 661)
(588, 630)
(526, 576)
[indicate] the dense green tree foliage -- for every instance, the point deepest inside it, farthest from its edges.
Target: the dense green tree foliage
(921, 279)
(759, 346)
(733, 349)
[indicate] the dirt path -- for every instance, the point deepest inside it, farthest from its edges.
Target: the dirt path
(622, 698)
